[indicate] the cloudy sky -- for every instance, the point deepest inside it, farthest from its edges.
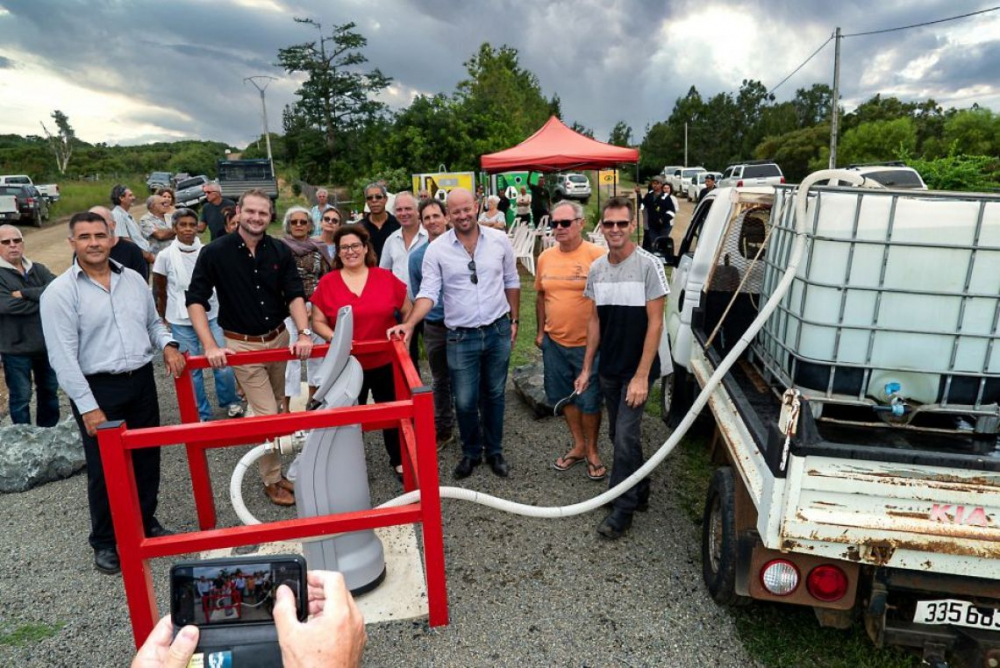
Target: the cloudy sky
(132, 71)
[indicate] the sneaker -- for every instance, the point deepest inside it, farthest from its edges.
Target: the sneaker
(235, 410)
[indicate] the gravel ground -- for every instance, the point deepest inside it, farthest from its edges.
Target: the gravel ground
(521, 591)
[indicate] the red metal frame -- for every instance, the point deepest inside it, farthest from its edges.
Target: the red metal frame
(412, 413)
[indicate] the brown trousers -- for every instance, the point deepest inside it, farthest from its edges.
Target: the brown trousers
(264, 388)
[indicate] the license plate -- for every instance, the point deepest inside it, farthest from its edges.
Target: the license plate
(959, 613)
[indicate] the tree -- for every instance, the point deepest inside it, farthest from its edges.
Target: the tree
(582, 129)
(812, 105)
(621, 134)
(796, 151)
(335, 96)
(878, 141)
(973, 132)
(62, 143)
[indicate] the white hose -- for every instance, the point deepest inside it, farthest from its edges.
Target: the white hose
(801, 200)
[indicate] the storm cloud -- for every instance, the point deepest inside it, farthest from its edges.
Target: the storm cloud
(177, 69)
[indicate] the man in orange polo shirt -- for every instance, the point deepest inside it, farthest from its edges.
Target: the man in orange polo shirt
(563, 315)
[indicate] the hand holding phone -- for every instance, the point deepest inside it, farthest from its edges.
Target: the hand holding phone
(334, 636)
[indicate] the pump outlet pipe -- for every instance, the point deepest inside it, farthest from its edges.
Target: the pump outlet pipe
(552, 512)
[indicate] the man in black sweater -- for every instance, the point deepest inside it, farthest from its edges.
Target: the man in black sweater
(22, 344)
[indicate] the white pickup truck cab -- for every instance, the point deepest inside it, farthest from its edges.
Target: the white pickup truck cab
(49, 191)
(858, 471)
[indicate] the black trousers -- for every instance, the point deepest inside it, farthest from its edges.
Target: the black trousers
(418, 332)
(380, 381)
(132, 398)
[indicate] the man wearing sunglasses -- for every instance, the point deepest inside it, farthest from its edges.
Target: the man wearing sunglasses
(378, 221)
(563, 315)
(474, 266)
(22, 345)
(627, 287)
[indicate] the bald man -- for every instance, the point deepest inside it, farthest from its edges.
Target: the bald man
(474, 267)
(22, 344)
(123, 251)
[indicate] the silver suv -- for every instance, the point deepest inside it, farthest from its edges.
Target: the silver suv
(756, 173)
(571, 186)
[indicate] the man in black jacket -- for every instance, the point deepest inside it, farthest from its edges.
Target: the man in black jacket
(22, 344)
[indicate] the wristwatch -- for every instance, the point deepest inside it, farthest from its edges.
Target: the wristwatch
(514, 321)
(306, 332)
(174, 345)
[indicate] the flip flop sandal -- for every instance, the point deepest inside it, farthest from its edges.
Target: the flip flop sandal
(568, 462)
(592, 468)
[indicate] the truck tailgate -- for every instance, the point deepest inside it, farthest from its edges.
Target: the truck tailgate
(901, 515)
(8, 208)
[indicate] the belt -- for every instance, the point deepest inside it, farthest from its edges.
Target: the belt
(262, 338)
(505, 316)
(436, 323)
(121, 374)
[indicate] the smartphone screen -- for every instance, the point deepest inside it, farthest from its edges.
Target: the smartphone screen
(238, 590)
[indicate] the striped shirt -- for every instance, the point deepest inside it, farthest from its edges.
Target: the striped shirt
(620, 292)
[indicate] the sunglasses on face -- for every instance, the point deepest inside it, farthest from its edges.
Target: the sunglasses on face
(472, 267)
(331, 219)
(374, 198)
(564, 223)
(621, 224)
(9, 242)
(298, 221)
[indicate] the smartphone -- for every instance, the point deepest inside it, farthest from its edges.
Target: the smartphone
(236, 591)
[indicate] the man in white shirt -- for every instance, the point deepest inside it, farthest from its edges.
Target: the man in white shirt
(397, 251)
(171, 277)
(125, 225)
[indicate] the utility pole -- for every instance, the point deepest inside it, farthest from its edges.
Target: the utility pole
(835, 112)
(685, 144)
(263, 108)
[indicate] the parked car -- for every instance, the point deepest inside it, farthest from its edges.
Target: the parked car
(570, 186)
(189, 192)
(695, 185)
(669, 170)
(158, 180)
(33, 208)
(682, 180)
(50, 191)
(893, 175)
(754, 173)
(673, 178)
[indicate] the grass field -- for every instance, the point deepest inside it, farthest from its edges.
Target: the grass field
(76, 196)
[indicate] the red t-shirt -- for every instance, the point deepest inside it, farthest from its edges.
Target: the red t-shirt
(374, 310)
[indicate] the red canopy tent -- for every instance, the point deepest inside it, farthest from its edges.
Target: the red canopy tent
(556, 148)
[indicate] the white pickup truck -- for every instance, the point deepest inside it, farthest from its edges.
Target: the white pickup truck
(858, 469)
(50, 191)
(9, 211)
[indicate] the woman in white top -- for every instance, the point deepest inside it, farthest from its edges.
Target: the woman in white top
(493, 216)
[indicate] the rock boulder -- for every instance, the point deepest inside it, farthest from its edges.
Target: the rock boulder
(32, 456)
(529, 381)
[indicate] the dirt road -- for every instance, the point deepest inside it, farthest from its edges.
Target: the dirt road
(48, 245)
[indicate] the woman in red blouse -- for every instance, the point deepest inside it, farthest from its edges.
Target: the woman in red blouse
(375, 297)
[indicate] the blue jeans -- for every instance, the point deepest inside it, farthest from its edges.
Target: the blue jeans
(17, 370)
(477, 361)
(225, 381)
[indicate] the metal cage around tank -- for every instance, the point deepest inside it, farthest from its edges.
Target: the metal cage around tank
(893, 285)
(412, 413)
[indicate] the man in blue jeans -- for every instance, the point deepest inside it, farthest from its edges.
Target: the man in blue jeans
(628, 287)
(22, 345)
(474, 267)
(171, 277)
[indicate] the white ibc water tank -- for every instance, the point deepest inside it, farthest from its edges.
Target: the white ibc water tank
(896, 287)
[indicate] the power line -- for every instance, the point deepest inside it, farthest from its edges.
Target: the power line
(802, 65)
(926, 23)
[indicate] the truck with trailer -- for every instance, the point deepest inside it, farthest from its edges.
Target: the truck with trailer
(855, 432)
(237, 176)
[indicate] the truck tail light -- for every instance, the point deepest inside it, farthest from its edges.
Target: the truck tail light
(779, 577)
(30, 201)
(739, 184)
(827, 583)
